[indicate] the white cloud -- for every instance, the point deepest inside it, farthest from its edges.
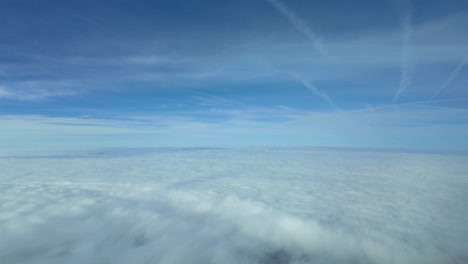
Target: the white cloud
(234, 206)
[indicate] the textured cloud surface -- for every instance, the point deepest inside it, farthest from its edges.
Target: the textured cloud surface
(234, 206)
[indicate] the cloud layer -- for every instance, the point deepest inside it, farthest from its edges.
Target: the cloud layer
(233, 206)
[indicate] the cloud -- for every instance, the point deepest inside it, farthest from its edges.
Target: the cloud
(142, 66)
(32, 94)
(452, 76)
(313, 89)
(433, 124)
(300, 25)
(407, 33)
(234, 206)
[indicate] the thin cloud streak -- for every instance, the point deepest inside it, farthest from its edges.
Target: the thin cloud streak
(451, 77)
(242, 127)
(32, 94)
(300, 25)
(313, 89)
(434, 101)
(406, 68)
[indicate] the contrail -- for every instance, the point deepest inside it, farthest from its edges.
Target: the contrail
(313, 89)
(421, 103)
(300, 25)
(407, 28)
(451, 77)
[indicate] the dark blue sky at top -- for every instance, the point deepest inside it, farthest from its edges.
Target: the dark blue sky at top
(107, 59)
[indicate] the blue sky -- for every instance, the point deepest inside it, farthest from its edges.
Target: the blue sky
(369, 74)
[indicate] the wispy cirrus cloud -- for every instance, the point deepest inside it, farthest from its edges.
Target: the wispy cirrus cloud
(407, 32)
(379, 126)
(33, 94)
(358, 57)
(313, 88)
(451, 77)
(300, 25)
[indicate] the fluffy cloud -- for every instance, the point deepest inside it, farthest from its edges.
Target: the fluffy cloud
(233, 206)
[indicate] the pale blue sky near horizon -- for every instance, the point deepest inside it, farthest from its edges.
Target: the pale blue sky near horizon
(387, 74)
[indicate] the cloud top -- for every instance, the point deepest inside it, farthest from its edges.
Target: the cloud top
(235, 206)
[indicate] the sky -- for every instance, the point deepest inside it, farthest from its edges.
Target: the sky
(388, 74)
